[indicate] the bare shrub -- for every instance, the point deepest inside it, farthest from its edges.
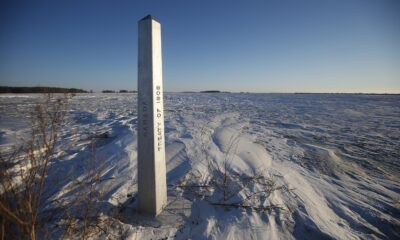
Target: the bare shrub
(82, 216)
(234, 190)
(23, 175)
(23, 172)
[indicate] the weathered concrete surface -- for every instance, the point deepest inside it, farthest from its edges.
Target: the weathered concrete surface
(152, 183)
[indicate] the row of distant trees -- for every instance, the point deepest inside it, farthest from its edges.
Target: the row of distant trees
(7, 89)
(120, 91)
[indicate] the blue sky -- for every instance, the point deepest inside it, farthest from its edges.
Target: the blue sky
(256, 46)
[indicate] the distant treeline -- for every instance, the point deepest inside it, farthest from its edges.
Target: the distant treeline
(39, 90)
(210, 91)
(120, 91)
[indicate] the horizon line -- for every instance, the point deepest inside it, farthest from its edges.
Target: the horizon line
(210, 91)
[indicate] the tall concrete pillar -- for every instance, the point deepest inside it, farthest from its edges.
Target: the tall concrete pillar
(152, 180)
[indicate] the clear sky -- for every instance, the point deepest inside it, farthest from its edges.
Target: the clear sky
(256, 46)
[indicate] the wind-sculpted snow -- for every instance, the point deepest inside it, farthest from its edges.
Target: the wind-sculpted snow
(338, 156)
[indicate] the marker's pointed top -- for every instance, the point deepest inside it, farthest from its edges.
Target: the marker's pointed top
(149, 17)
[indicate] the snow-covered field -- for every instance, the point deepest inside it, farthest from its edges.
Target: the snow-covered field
(337, 155)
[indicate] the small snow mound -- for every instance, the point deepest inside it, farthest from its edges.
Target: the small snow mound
(250, 155)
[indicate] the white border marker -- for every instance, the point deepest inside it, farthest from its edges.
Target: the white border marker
(152, 180)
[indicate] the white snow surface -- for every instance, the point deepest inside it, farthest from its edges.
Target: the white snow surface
(338, 154)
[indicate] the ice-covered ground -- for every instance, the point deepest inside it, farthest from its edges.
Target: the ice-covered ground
(338, 154)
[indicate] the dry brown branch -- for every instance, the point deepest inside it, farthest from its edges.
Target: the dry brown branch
(82, 213)
(23, 178)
